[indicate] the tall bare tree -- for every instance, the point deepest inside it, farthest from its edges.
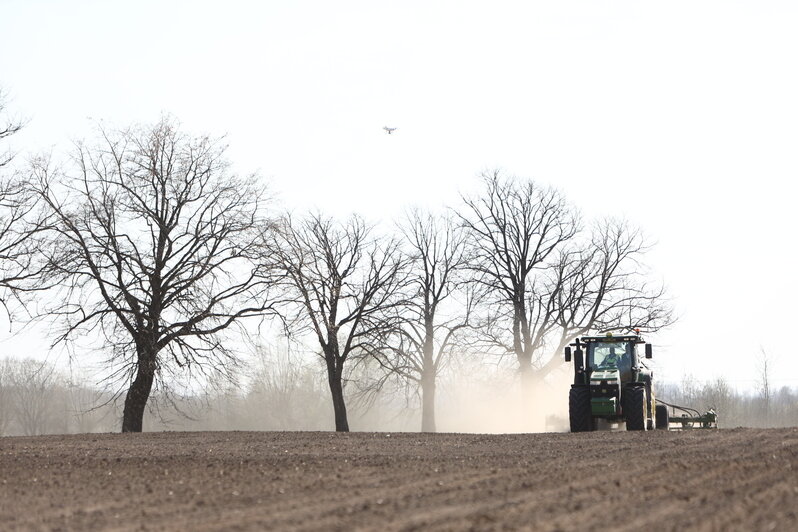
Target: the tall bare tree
(516, 228)
(345, 284)
(155, 253)
(416, 349)
(551, 281)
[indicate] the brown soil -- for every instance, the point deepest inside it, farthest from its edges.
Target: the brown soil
(740, 479)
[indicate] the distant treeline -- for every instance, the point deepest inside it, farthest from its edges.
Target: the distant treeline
(764, 408)
(35, 398)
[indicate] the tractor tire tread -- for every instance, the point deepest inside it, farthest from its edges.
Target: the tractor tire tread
(635, 408)
(579, 411)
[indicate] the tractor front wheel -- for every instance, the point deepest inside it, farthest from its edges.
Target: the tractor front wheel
(635, 408)
(662, 417)
(579, 411)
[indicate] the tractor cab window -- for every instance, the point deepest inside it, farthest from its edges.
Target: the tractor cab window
(610, 355)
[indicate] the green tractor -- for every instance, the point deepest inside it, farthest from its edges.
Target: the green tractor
(612, 383)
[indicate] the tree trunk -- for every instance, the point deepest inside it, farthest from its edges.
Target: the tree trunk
(138, 394)
(523, 352)
(529, 383)
(334, 375)
(527, 373)
(428, 375)
(428, 401)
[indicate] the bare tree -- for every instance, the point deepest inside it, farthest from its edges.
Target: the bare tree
(21, 223)
(416, 349)
(32, 387)
(5, 397)
(550, 283)
(287, 394)
(155, 249)
(764, 368)
(345, 284)
(516, 228)
(87, 406)
(720, 397)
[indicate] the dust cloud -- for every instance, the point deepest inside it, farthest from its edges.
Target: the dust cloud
(503, 404)
(475, 396)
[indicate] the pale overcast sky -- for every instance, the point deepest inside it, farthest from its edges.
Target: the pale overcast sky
(681, 116)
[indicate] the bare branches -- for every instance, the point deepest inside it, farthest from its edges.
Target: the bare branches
(764, 368)
(551, 282)
(416, 347)
(516, 229)
(8, 127)
(31, 386)
(600, 285)
(155, 246)
(345, 284)
(22, 225)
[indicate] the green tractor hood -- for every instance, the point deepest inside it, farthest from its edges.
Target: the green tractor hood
(604, 392)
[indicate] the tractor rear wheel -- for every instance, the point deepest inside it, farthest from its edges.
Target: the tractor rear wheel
(662, 417)
(579, 411)
(635, 408)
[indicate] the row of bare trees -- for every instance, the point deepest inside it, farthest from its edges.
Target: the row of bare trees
(35, 398)
(147, 244)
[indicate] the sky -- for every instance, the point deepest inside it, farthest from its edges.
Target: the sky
(679, 116)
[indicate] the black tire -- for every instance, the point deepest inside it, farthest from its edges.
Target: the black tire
(579, 410)
(635, 408)
(662, 417)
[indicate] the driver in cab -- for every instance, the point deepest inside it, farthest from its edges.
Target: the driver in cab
(618, 361)
(615, 360)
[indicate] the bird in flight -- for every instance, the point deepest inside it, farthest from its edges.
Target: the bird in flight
(389, 129)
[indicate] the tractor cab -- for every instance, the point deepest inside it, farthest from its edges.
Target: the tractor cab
(609, 353)
(616, 353)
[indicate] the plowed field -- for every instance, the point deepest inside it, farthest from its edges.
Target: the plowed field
(739, 479)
